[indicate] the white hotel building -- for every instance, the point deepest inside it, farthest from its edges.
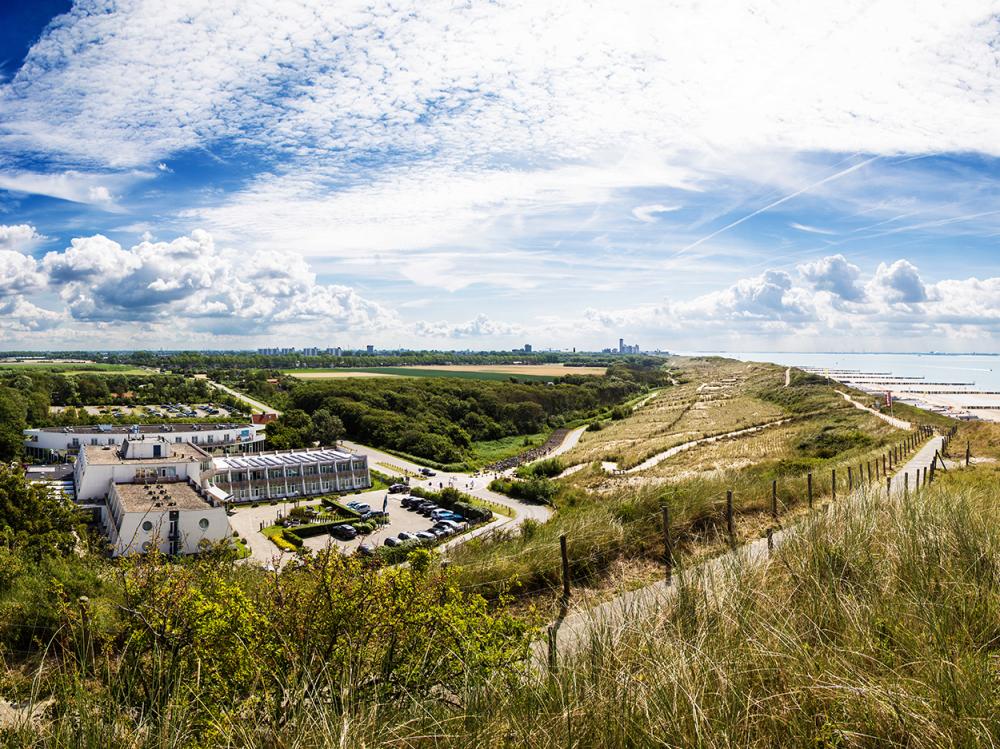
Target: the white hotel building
(152, 493)
(291, 473)
(46, 442)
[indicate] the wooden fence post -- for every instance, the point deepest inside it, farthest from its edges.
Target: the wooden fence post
(833, 484)
(668, 552)
(565, 568)
(770, 540)
(888, 487)
(906, 485)
(552, 649)
(850, 479)
(884, 472)
(968, 452)
(774, 499)
(809, 489)
(729, 518)
(869, 464)
(925, 475)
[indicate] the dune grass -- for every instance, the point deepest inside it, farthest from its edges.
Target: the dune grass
(874, 624)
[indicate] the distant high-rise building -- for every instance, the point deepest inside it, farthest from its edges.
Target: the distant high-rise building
(527, 348)
(621, 345)
(371, 349)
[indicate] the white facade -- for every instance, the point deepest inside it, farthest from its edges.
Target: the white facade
(241, 437)
(97, 468)
(175, 519)
(291, 473)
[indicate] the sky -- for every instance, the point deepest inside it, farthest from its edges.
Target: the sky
(716, 175)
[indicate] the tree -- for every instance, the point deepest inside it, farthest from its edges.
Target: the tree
(13, 422)
(327, 428)
(33, 518)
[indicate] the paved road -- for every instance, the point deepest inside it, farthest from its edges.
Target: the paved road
(474, 484)
(262, 407)
(616, 614)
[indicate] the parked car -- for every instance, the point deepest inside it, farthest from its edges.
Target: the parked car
(392, 541)
(426, 510)
(377, 515)
(362, 509)
(404, 536)
(426, 536)
(366, 550)
(451, 516)
(455, 525)
(353, 505)
(409, 500)
(398, 489)
(441, 513)
(441, 530)
(343, 532)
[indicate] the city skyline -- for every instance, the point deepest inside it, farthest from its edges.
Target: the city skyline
(777, 177)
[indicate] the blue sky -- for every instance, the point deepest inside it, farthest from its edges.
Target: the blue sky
(240, 174)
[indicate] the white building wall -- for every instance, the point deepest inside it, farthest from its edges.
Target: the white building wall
(93, 480)
(206, 437)
(141, 531)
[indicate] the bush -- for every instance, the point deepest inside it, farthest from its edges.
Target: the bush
(595, 426)
(292, 538)
(535, 489)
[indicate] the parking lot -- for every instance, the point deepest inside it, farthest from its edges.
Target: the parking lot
(162, 411)
(247, 521)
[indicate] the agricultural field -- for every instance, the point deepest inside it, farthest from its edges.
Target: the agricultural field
(529, 372)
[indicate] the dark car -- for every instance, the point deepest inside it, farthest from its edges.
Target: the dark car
(409, 501)
(404, 536)
(426, 510)
(398, 489)
(343, 532)
(366, 550)
(392, 541)
(377, 515)
(427, 472)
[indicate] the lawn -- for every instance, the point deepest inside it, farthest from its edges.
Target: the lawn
(490, 451)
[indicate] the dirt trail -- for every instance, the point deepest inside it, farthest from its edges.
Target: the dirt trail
(670, 452)
(898, 423)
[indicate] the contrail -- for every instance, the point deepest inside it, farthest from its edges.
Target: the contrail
(777, 202)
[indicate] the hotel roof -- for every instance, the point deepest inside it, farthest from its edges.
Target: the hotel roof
(278, 460)
(180, 452)
(98, 429)
(160, 497)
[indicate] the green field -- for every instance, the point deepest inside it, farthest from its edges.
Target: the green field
(73, 368)
(413, 372)
(490, 451)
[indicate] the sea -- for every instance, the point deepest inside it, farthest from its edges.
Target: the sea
(981, 369)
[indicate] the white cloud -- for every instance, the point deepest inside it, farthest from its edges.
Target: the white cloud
(77, 187)
(19, 237)
(191, 280)
(479, 327)
(648, 213)
(898, 283)
(810, 229)
(18, 274)
(836, 275)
